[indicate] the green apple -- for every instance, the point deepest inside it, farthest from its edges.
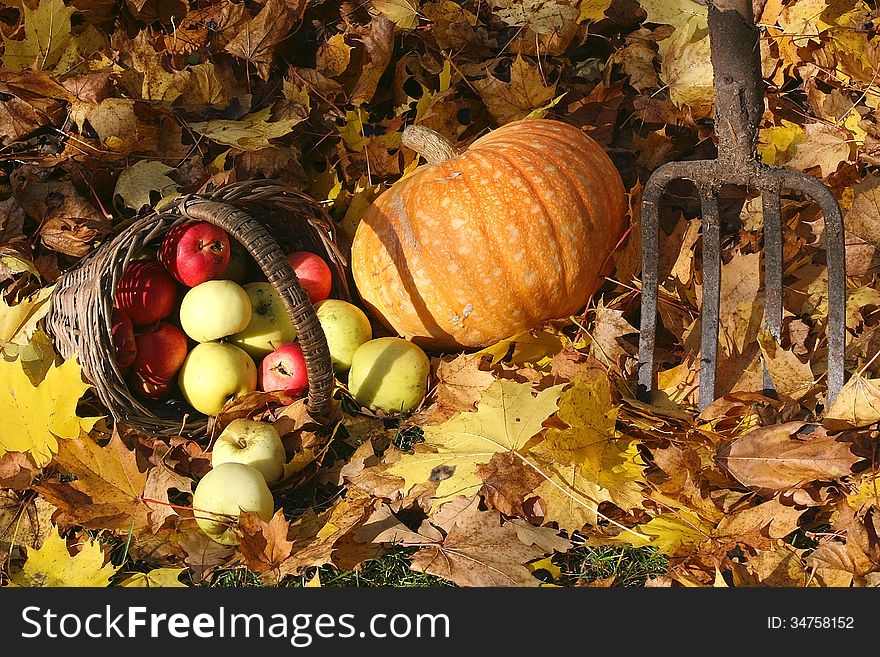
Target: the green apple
(215, 372)
(253, 443)
(226, 491)
(270, 325)
(346, 327)
(214, 309)
(389, 374)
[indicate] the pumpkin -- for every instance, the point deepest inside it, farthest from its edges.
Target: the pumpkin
(471, 249)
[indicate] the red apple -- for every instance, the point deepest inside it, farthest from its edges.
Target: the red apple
(161, 350)
(122, 338)
(146, 292)
(313, 274)
(195, 252)
(148, 389)
(284, 369)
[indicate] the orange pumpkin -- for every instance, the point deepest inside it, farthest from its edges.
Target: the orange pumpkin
(474, 248)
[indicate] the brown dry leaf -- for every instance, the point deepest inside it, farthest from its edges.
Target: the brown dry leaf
(782, 566)
(109, 490)
(377, 39)
(786, 456)
(526, 92)
(25, 522)
(460, 382)
(507, 483)
(759, 524)
(117, 125)
(264, 545)
(545, 538)
(826, 147)
(609, 328)
(17, 470)
(258, 38)
(68, 222)
(861, 219)
(790, 376)
(479, 551)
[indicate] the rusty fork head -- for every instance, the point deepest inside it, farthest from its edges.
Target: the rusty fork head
(739, 104)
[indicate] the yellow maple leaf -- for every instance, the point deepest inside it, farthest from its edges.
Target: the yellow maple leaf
(669, 532)
(587, 463)
(531, 347)
(404, 13)
(592, 10)
(46, 37)
(510, 101)
(52, 566)
(156, 578)
(135, 183)
(34, 417)
(18, 323)
(507, 417)
(776, 143)
(856, 405)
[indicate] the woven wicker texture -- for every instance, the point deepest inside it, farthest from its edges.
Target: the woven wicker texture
(269, 220)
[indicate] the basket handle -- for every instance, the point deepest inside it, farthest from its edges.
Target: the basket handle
(253, 235)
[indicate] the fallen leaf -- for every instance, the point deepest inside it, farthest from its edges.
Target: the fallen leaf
(257, 38)
(526, 92)
(786, 456)
(264, 545)
(136, 183)
(507, 416)
(52, 566)
(856, 405)
(109, 490)
(404, 13)
(480, 551)
(35, 417)
(156, 578)
(540, 16)
(825, 146)
(46, 37)
(251, 133)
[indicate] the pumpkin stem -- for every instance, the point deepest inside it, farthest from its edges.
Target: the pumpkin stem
(431, 145)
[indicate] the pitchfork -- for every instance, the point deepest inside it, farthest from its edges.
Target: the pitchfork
(739, 104)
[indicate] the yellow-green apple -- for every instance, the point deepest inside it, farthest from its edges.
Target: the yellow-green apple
(389, 374)
(253, 443)
(215, 372)
(285, 370)
(195, 252)
(122, 338)
(270, 325)
(161, 350)
(146, 292)
(226, 491)
(214, 309)
(313, 274)
(346, 328)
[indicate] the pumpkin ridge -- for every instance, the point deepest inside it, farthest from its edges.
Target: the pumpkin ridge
(554, 229)
(481, 162)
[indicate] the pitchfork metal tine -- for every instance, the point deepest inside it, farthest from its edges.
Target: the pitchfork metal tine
(739, 104)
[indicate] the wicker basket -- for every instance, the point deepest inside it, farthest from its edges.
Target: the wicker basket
(82, 303)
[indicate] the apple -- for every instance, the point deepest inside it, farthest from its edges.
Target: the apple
(195, 252)
(253, 443)
(214, 309)
(313, 274)
(215, 372)
(240, 263)
(226, 491)
(346, 328)
(270, 325)
(284, 369)
(161, 350)
(146, 388)
(122, 338)
(389, 374)
(146, 292)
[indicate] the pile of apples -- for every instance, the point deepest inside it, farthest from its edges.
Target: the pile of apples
(188, 316)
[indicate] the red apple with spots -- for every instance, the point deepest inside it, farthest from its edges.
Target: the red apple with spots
(122, 338)
(313, 273)
(195, 252)
(145, 292)
(285, 370)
